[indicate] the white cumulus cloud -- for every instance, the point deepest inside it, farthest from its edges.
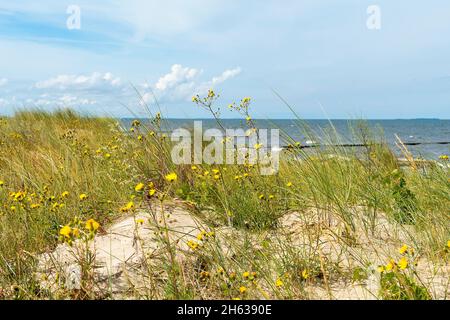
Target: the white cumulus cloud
(227, 74)
(203, 87)
(94, 81)
(177, 75)
(181, 83)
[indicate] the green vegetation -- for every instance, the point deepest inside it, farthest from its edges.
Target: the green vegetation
(57, 167)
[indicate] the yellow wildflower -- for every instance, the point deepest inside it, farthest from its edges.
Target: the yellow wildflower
(216, 177)
(279, 283)
(65, 194)
(129, 206)
(443, 157)
(242, 289)
(2, 183)
(65, 231)
(403, 263)
(261, 197)
(140, 221)
(76, 232)
(201, 235)
(448, 244)
(19, 196)
(192, 244)
(171, 177)
(83, 196)
(92, 225)
(139, 187)
(305, 274)
(246, 274)
(289, 184)
(391, 265)
(258, 146)
(194, 168)
(151, 192)
(380, 269)
(403, 249)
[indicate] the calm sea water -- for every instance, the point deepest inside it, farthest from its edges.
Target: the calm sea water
(429, 131)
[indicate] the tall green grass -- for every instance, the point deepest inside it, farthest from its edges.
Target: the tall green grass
(43, 155)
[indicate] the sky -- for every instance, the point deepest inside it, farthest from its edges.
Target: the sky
(328, 59)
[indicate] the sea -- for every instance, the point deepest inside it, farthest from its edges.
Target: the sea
(424, 138)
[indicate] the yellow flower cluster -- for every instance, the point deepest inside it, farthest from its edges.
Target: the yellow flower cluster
(279, 283)
(203, 236)
(83, 196)
(401, 264)
(72, 231)
(241, 176)
(128, 207)
(171, 177)
(26, 200)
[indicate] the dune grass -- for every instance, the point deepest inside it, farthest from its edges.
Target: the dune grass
(55, 167)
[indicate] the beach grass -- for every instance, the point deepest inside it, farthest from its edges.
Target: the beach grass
(383, 221)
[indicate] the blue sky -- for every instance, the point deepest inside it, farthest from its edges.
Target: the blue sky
(319, 55)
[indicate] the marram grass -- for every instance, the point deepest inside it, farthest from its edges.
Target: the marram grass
(64, 176)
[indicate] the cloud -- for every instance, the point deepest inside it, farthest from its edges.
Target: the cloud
(227, 74)
(176, 76)
(95, 81)
(181, 83)
(203, 87)
(58, 100)
(3, 81)
(73, 100)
